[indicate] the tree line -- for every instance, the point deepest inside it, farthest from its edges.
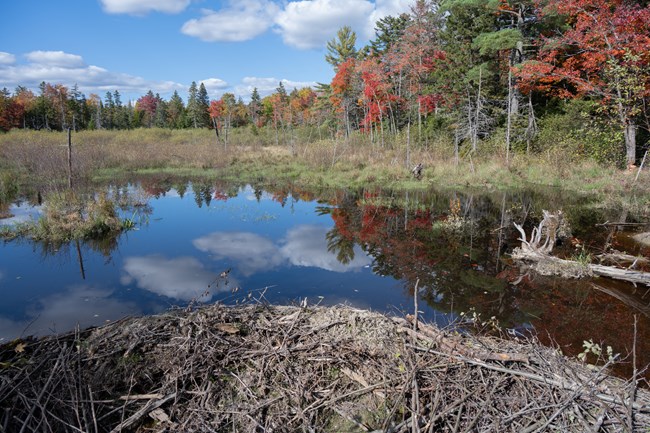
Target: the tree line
(468, 69)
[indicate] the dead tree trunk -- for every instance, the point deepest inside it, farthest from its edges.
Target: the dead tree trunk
(536, 249)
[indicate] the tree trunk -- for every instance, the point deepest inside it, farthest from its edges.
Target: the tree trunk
(509, 121)
(630, 143)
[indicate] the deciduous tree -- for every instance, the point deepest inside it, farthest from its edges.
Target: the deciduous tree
(604, 54)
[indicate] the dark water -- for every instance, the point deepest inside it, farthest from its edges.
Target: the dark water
(203, 243)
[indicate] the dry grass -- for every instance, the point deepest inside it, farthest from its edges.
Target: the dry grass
(281, 369)
(355, 161)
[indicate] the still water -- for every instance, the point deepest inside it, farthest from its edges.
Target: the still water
(204, 243)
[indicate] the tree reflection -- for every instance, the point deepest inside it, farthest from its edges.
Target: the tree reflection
(456, 246)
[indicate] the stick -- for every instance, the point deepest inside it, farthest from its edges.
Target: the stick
(47, 384)
(151, 405)
(569, 386)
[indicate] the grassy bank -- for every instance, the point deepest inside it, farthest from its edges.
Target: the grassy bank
(263, 368)
(41, 157)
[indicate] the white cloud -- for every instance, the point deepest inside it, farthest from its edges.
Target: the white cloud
(141, 7)
(55, 58)
(240, 21)
(7, 58)
(311, 23)
(69, 69)
(266, 86)
(304, 24)
(385, 8)
(214, 86)
(306, 245)
(250, 252)
(183, 278)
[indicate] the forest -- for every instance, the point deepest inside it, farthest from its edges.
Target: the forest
(527, 76)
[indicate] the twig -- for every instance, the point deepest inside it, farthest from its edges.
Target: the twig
(45, 387)
(148, 407)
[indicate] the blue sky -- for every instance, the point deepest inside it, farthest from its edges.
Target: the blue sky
(163, 45)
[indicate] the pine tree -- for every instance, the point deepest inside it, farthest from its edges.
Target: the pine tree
(193, 105)
(203, 107)
(255, 106)
(109, 110)
(342, 47)
(175, 111)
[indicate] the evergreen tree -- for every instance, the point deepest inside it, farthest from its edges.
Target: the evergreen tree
(160, 116)
(120, 119)
(342, 47)
(193, 105)
(109, 110)
(388, 31)
(175, 111)
(255, 107)
(203, 107)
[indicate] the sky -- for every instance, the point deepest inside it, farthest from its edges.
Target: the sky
(163, 45)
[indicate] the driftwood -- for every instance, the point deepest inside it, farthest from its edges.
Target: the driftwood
(302, 369)
(618, 258)
(537, 248)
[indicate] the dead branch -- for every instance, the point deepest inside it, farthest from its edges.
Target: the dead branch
(302, 369)
(537, 247)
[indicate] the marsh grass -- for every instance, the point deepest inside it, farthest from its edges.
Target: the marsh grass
(313, 160)
(70, 216)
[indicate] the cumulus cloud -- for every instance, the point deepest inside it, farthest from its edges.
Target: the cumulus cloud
(266, 86)
(304, 24)
(241, 20)
(311, 23)
(214, 86)
(55, 58)
(306, 245)
(384, 8)
(250, 252)
(183, 278)
(141, 7)
(7, 58)
(70, 69)
(61, 312)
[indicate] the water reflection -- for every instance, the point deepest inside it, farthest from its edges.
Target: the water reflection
(307, 245)
(81, 306)
(304, 246)
(249, 252)
(20, 213)
(181, 278)
(365, 247)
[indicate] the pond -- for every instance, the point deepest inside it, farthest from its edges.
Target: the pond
(206, 242)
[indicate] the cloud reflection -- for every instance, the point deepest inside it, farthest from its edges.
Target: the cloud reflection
(306, 245)
(22, 213)
(251, 252)
(81, 305)
(183, 278)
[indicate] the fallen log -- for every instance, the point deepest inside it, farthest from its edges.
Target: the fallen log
(538, 246)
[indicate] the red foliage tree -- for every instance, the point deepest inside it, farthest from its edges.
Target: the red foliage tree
(604, 54)
(147, 104)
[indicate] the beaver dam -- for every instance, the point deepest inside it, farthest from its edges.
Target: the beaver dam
(288, 368)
